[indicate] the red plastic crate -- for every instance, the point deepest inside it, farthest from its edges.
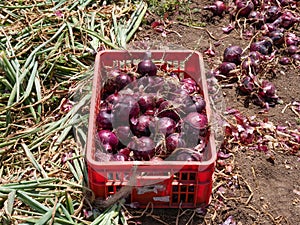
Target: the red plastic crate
(167, 184)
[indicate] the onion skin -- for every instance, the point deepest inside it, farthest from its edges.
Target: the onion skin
(233, 54)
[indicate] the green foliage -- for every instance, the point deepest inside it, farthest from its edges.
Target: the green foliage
(168, 6)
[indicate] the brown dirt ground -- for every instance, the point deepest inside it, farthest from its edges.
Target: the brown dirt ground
(265, 192)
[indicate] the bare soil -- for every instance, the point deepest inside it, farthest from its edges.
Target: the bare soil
(258, 190)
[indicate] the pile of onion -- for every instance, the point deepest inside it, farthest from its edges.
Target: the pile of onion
(150, 112)
(272, 28)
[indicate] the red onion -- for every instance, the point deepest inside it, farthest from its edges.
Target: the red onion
(244, 7)
(272, 13)
(189, 85)
(296, 57)
(113, 98)
(292, 49)
(268, 89)
(287, 19)
(174, 141)
(257, 18)
(186, 154)
(124, 110)
(248, 64)
(197, 120)
(146, 102)
(195, 124)
(256, 56)
(285, 60)
(166, 126)
(199, 102)
(122, 81)
(217, 8)
(143, 148)
(124, 134)
(233, 54)
(147, 67)
(264, 46)
(277, 37)
(269, 27)
(110, 85)
(104, 120)
(141, 128)
(119, 157)
(226, 67)
(108, 139)
(291, 39)
(246, 86)
(125, 151)
(167, 110)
